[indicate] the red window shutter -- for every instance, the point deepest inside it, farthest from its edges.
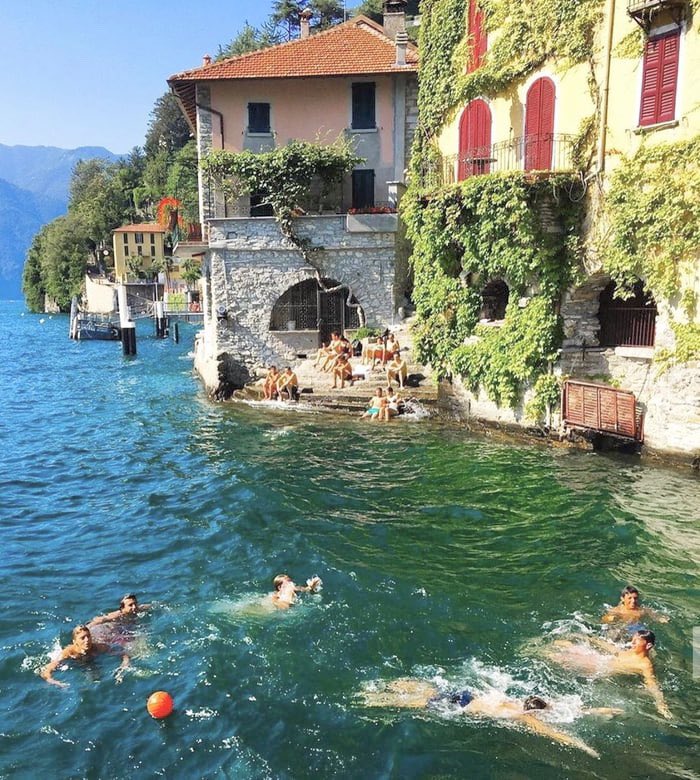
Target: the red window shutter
(477, 37)
(659, 79)
(539, 125)
(475, 140)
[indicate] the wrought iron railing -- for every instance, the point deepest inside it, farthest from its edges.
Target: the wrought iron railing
(543, 152)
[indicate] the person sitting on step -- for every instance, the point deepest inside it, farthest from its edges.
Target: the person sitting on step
(342, 370)
(288, 385)
(397, 369)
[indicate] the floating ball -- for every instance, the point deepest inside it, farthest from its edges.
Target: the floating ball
(160, 704)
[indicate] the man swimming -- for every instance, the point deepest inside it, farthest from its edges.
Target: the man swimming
(588, 659)
(82, 649)
(128, 607)
(629, 610)
(286, 590)
(410, 693)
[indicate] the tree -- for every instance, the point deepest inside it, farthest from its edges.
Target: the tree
(190, 271)
(285, 16)
(250, 39)
(167, 127)
(182, 182)
(33, 286)
(327, 13)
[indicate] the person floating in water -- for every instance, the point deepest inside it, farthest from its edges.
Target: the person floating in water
(629, 610)
(598, 657)
(286, 590)
(81, 649)
(410, 693)
(128, 608)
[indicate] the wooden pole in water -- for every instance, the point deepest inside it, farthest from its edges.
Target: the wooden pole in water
(127, 324)
(176, 332)
(161, 321)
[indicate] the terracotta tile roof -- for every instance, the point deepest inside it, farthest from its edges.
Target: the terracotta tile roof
(143, 227)
(358, 46)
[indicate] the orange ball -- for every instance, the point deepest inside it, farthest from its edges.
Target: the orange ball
(160, 704)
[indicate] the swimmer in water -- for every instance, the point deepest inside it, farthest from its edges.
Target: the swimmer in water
(128, 607)
(82, 649)
(629, 610)
(409, 693)
(286, 590)
(588, 659)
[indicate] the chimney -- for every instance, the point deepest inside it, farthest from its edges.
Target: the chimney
(394, 20)
(206, 60)
(401, 46)
(304, 18)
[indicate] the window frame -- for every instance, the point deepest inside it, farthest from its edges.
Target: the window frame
(363, 111)
(262, 127)
(644, 119)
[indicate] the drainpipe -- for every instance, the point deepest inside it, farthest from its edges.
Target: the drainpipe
(602, 135)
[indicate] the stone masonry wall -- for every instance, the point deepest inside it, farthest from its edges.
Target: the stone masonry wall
(252, 265)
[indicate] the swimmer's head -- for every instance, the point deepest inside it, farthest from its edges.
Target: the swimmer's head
(644, 637)
(534, 703)
(630, 597)
(279, 580)
(129, 604)
(82, 638)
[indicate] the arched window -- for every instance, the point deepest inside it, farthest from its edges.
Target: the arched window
(539, 125)
(495, 300)
(477, 37)
(474, 140)
(627, 323)
(305, 306)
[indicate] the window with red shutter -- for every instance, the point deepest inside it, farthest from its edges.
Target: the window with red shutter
(660, 79)
(539, 125)
(477, 37)
(474, 140)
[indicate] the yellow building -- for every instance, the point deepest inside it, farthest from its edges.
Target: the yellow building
(577, 99)
(145, 243)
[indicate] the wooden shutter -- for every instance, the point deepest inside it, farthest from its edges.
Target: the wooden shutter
(258, 117)
(363, 189)
(474, 140)
(539, 125)
(477, 37)
(363, 106)
(660, 79)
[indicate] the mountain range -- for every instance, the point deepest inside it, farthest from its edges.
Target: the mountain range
(34, 185)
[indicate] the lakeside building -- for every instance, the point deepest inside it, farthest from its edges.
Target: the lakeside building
(263, 302)
(569, 102)
(143, 244)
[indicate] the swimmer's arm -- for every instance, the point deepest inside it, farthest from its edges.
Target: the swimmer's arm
(652, 686)
(545, 730)
(602, 712)
(652, 614)
(122, 667)
(99, 619)
(51, 667)
(611, 615)
(602, 644)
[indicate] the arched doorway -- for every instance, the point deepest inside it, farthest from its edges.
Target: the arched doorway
(627, 323)
(474, 140)
(306, 306)
(494, 298)
(539, 125)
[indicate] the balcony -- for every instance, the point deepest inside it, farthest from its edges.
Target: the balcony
(644, 12)
(547, 152)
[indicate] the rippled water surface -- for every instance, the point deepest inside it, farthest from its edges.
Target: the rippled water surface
(444, 556)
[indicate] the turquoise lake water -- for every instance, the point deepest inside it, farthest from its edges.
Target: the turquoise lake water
(444, 556)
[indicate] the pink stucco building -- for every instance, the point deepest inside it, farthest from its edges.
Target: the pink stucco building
(262, 300)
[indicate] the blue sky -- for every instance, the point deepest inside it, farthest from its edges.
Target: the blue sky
(87, 72)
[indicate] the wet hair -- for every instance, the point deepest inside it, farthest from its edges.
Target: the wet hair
(279, 580)
(127, 596)
(628, 589)
(534, 703)
(80, 629)
(647, 635)
(380, 390)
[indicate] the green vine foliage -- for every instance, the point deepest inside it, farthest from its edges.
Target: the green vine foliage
(546, 396)
(284, 176)
(654, 231)
(511, 226)
(687, 337)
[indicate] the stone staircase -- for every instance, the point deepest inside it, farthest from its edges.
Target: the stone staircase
(316, 387)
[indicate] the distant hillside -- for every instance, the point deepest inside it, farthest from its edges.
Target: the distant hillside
(34, 183)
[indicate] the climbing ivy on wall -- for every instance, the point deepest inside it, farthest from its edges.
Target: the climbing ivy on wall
(653, 226)
(515, 227)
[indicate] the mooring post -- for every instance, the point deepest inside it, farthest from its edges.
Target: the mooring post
(161, 321)
(128, 326)
(176, 332)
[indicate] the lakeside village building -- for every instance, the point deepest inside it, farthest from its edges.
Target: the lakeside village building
(634, 90)
(261, 300)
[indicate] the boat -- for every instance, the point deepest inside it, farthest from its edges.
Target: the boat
(85, 326)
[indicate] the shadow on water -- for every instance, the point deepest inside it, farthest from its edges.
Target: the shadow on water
(444, 556)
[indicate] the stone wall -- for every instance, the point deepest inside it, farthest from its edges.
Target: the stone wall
(251, 265)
